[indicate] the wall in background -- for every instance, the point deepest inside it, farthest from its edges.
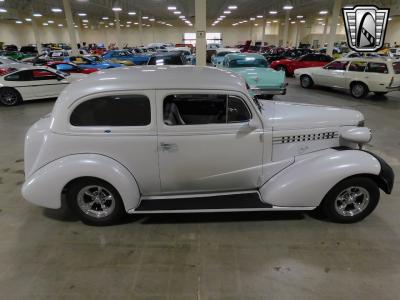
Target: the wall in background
(22, 34)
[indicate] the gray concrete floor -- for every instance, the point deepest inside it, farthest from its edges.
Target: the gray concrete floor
(44, 254)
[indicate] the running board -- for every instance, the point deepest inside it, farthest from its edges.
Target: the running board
(247, 201)
(218, 202)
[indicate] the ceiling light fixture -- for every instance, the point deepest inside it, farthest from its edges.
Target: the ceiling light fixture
(227, 12)
(171, 7)
(288, 7)
(132, 13)
(232, 7)
(82, 14)
(56, 10)
(104, 18)
(273, 12)
(323, 12)
(3, 10)
(177, 12)
(50, 21)
(145, 17)
(18, 22)
(299, 17)
(37, 15)
(117, 8)
(28, 19)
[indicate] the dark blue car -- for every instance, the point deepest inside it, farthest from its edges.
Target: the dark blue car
(137, 59)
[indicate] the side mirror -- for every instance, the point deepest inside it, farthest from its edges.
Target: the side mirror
(252, 124)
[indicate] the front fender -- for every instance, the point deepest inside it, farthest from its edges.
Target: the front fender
(44, 187)
(311, 176)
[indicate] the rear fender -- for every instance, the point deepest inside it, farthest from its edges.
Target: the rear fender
(311, 176)
(44, 187)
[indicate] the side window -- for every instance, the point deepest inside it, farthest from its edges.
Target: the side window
(43, 75)
(357, 66)
(194, 109)
(19, 76)
(126, 110)
(308, 57)
(237, 110)
(337, 65)
(377, 68)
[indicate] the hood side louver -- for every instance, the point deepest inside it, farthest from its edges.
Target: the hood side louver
(305, 137)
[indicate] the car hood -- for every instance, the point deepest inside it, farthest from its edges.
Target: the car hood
(285, 116)
(75, 76)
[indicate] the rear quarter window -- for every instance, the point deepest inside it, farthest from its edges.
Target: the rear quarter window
(377, 68)
(126, 110)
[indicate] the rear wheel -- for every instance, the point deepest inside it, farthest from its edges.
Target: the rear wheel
(358, 90)
(10, 97)
(95, 201)
(351, 200)
(306, 81)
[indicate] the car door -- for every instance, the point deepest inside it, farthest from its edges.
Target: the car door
(47, 84)
(205, 143)
(333, 74)
(23, 83)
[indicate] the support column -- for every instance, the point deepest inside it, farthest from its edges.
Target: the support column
(36, 34)
(324, 33)
(70, 27)
(263, 30)
(334, 20)
(118, 30)
(140, 29)
(286, 30)
(201, 26)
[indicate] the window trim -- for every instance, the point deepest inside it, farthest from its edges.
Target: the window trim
(109, 128)
(227, 95)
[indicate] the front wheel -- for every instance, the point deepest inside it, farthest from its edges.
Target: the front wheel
(306, 81)
(96, 202)
(351, 200)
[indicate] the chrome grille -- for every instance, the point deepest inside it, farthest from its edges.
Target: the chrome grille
(305, 137)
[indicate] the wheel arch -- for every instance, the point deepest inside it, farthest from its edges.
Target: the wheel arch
(62, 172)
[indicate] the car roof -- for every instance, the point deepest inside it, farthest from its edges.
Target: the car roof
(369, 59)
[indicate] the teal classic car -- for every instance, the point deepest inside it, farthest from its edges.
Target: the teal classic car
(263, 81)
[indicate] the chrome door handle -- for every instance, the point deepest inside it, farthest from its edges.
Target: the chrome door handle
(170, 147)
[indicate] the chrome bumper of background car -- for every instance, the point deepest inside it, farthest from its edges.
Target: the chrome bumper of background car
(274, 91)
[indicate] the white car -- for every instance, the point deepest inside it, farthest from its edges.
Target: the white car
(30, 83)
(359, 75)
(10, 63)
(185, 139)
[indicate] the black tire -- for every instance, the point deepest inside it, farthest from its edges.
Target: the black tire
(76, 196)
(380, 93)
(306, 81)
(10, 97)
(358, 90)
(331, 205)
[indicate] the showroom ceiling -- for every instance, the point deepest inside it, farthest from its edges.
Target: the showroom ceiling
(96, 9)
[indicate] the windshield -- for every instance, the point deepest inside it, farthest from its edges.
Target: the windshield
(248, 62)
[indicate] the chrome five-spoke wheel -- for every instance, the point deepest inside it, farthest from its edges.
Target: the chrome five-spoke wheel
(96, 201)
(352, 201)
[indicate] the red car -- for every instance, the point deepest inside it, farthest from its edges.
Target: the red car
(306, 61)
(69, 68)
